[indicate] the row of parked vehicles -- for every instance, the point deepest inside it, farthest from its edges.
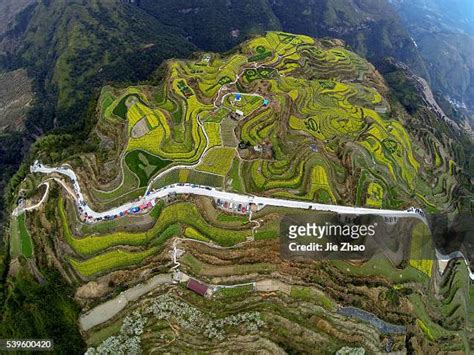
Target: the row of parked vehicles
(416, 210)
(233, 206)
(130, 211)
(133, 210)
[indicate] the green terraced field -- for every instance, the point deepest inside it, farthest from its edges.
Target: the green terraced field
(26, 243)
(110, 261)
(183, 213)
(422, 251)
(21, 243)
(217, 161)
(374, 195)
(144, 165)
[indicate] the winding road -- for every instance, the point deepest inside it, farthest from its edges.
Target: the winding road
(183, 188)
(186, 188)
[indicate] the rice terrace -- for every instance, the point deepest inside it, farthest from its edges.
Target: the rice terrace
(281, 116)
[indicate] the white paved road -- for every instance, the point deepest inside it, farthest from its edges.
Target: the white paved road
(154, 195)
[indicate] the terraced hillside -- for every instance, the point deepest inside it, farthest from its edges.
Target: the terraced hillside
(283, 116)
(303, 107)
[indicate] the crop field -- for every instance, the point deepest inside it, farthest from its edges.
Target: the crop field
(130, 182)
(201, 268)
(251, 75)
(233, 292)
(107, 98)
(217, 161)
(320, 188)
(229, 138)
(26, 243)
(111, 260)
(374, 195)
(246, 103)
(15, 243)
(234, 179)
(97, 258)
(184, 143)
(21, 243)
(431, 329)
(312, 295)
(380, 265)
(192, 233)
(183, 213)
(122, 105)
(213, 133)
(201, 178)
(252, 130)
(144, 165)
(216, 116)
(266, 234)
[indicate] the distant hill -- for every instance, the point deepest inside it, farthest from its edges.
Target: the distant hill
(215, 25)
(371, 27)
(72, 46)
(84, 44)
(436, 15)
(9, 10)
(444, 33)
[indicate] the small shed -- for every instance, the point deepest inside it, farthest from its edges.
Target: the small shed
(197, 287)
